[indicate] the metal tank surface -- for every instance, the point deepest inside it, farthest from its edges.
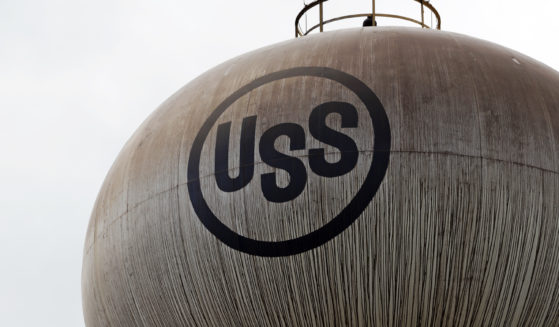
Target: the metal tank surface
(381, 176)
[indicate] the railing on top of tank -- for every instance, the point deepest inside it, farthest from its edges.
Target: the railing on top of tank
(423, 4)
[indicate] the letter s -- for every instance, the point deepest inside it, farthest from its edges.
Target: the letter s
(347, 147)
(293, 166)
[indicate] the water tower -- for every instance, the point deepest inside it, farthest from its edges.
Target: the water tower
(387, 176)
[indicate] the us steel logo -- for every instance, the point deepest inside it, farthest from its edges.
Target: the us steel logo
(296, 134)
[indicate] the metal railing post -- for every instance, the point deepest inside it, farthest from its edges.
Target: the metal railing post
(422, 15)
(321, 18)
(374, 13)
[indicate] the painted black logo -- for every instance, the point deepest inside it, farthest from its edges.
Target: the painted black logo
(293, 166)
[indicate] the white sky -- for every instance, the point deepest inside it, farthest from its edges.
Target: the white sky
(77, 78)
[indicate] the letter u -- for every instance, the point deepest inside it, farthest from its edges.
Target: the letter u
(246, 164)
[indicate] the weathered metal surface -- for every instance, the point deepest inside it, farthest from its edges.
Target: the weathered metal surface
(463, 230)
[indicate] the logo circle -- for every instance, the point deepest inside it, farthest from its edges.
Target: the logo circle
(381, 156)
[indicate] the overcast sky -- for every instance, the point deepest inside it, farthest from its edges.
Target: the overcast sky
(77, 78)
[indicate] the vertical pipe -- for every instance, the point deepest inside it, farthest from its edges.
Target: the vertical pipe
(374, 13)
(422, 15)
(321, 18)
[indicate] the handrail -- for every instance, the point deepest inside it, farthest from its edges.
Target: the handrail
(433, 10)
(302, 12)
(322, 22)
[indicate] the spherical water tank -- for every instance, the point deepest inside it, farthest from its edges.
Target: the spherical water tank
(374, 176)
